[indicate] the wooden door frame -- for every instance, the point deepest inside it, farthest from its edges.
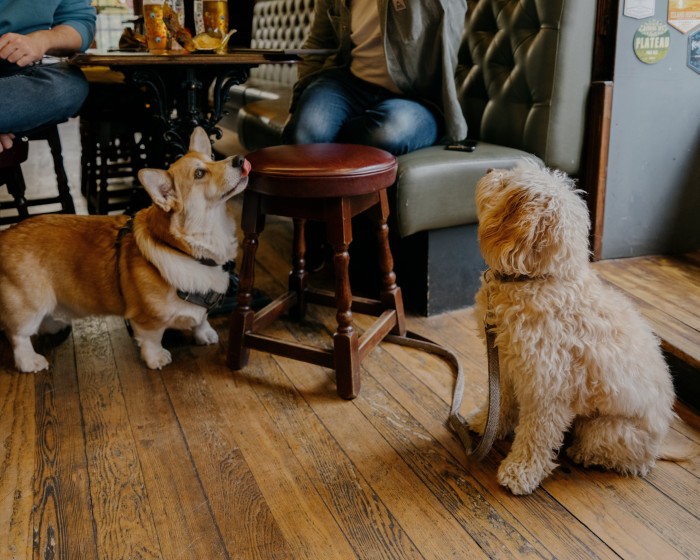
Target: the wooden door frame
(597, 135)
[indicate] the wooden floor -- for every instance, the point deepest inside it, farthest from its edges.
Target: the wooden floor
(667, 290)
(102, 458)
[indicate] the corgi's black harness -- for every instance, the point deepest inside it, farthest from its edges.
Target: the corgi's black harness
(209, 300)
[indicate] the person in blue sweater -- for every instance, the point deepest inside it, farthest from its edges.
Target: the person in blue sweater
(34, 92)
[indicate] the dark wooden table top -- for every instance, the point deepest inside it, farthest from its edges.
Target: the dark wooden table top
(244, 57)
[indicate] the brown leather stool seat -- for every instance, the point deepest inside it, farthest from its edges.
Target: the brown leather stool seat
(329, 183)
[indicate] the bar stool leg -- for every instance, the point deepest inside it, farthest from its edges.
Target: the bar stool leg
(346, 345)
(390, 294)
(298, 277)
(252, 223)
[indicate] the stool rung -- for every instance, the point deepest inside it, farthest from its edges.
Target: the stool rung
(293, 350)
(376, 333)
(361, 305)
(273, 310)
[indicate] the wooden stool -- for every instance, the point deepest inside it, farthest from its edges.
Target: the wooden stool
(330, 183)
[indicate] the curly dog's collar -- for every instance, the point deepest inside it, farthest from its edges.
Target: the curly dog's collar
(490, 274)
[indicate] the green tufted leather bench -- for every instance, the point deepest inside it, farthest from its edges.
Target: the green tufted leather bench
(524, 78)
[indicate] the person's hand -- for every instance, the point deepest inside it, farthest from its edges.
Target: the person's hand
(22, 50)
(6, 141)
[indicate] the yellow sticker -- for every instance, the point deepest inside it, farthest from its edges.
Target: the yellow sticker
(684, 15)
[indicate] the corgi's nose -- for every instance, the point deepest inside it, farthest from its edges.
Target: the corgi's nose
(243, 163)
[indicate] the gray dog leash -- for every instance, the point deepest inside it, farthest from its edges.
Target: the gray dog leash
(455, 420)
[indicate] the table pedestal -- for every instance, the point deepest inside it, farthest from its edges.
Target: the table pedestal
(180, 99)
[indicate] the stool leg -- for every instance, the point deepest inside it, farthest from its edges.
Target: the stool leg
(346, 345)
(64, 195)
(241, 322)
(390, 293)
(298, 277)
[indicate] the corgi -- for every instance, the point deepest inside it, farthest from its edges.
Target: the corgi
(163, 268)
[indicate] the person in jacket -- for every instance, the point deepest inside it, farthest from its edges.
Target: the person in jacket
(36, 91)
(381, 73)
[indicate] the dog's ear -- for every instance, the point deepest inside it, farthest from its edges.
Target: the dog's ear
(544, 232)
(199, 142)
(516, 234)
(160, 187)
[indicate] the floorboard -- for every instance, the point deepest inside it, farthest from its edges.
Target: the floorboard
(667, 290)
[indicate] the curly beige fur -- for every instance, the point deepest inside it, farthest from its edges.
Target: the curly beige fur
(574, 352)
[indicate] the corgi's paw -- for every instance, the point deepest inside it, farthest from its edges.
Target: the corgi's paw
(205, 334)
(30, 363)
(156, 358)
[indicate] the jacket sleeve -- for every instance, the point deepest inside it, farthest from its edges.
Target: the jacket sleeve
(422, 46)
(325, 33)
(79, 15)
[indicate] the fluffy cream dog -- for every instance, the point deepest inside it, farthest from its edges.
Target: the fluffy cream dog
(574, 353)
(163, 269)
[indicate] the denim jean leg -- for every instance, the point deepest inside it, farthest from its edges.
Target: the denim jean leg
(339, 107)
(324, 106)
(39, 95)
(397, 125)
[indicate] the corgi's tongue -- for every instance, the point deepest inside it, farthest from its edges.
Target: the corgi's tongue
(246, 167)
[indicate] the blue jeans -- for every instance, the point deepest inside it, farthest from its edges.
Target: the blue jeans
(338, 107)
(34, 96)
